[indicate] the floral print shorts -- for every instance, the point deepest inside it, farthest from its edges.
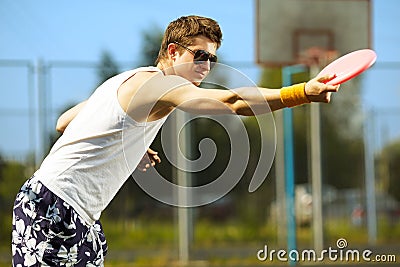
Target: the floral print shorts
(49, 232)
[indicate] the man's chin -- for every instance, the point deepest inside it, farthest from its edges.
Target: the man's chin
(198, 78)
(196, 83)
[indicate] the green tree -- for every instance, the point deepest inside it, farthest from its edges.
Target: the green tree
(107, 67)
(389, 169)
(12, 176)
(151, 42)
(341, 139)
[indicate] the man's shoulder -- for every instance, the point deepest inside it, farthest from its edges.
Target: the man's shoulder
(140, 76)
(146, 74)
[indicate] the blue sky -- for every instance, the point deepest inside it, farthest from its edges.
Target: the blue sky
(80, 30)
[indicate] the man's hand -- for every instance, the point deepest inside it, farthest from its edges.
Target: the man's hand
(150, 159)
(317, 91)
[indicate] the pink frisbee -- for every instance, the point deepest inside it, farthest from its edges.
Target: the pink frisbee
(349, 66)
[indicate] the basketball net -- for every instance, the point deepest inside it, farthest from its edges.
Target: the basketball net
(317, 57)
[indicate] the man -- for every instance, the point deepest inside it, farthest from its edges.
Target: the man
(57, 211)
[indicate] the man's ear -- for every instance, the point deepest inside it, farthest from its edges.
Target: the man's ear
(172, 50)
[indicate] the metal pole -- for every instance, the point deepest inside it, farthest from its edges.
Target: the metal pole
(370, 178)
(287, 73)
(41, 113)
(316, 173)
(289, 180)
(183, 177)
(32, 113)
(280, 181)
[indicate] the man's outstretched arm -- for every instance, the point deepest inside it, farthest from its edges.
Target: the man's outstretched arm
(246, 101)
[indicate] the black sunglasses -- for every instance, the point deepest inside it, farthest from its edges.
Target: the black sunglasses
(200, 56)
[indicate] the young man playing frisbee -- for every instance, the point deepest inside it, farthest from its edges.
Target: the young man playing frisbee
(57, 212)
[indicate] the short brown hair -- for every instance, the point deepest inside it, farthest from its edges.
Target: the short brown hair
(183, 29)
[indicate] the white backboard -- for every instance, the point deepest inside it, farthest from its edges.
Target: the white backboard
(285, 28)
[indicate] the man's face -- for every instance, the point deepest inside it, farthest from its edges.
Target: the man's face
(184, 64)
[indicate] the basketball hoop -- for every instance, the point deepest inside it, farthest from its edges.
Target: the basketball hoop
(317, 57)
(330, 29)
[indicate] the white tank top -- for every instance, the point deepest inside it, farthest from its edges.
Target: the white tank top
(98, 151)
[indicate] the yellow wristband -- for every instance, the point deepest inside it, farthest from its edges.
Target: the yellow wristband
(294, 95)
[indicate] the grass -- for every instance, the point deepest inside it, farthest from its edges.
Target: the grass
(133, 234)
(231, 243)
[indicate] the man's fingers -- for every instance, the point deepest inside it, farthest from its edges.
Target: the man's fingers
(151, 152)
(150, 159)
(157, 158)
(332, 88)
(326, 78)
(153, 155)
